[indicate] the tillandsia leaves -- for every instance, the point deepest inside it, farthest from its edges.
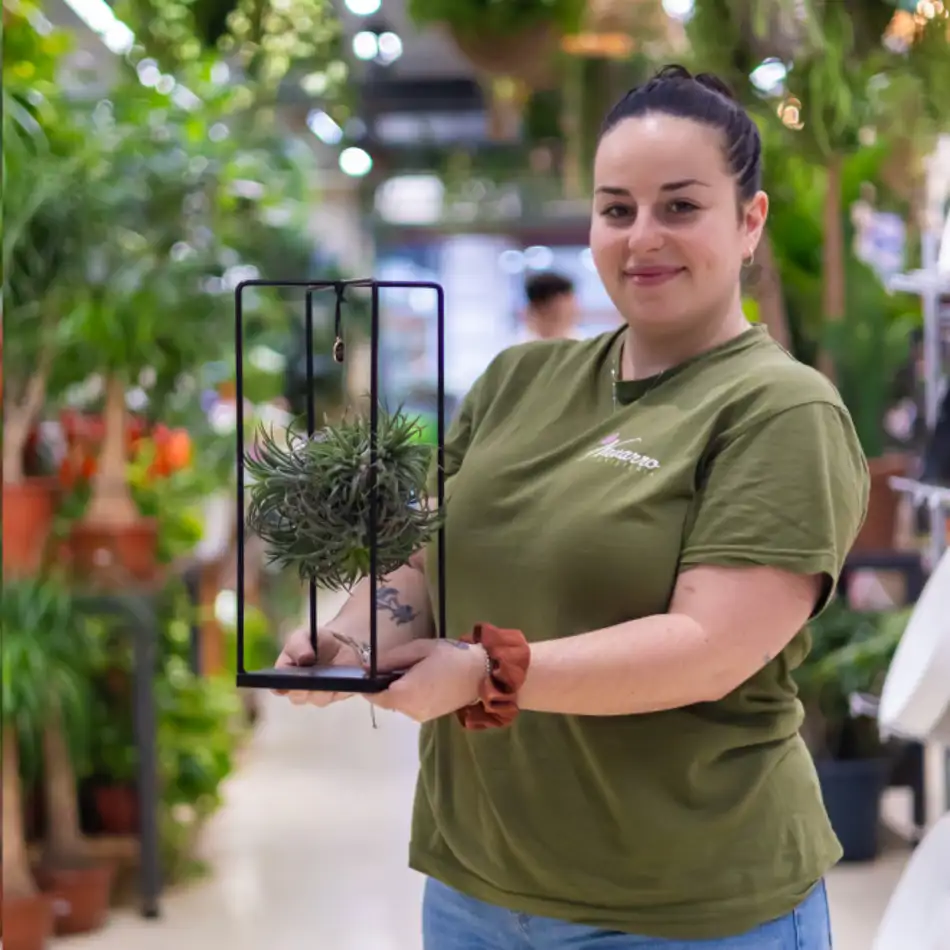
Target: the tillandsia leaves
(310, 498)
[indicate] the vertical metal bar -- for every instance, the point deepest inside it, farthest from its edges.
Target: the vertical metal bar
(239, 423)
(440, 456)
(311, 428)
(144, 643)
(373, 492)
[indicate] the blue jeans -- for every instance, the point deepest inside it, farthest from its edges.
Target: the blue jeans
(452, 921)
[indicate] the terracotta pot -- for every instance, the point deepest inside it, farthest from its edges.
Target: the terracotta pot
(28, 510)
(117, 807)
(115, 555)
(27, 922)
(528, 55)
(880, 526)
(80, 896)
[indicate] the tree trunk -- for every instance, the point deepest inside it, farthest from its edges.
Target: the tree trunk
(17, 880)
(18, 420)
(111, 505)
(833, 275)
(64, 841)
(768, 292)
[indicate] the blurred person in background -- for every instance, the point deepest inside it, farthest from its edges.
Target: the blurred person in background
(639, 528)
(552, 310)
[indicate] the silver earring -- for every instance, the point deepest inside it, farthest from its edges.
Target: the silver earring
(749, 261)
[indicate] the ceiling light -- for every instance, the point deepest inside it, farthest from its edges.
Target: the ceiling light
(769, 77)
(324, 128)
(365, 45)
(98, 16)
(363, 7)
(148, 72)
(679, 9)
(390, 48)
(355, 162)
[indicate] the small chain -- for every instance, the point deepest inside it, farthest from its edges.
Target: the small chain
(613, 379)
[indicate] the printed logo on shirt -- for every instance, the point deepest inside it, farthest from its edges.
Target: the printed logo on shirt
(620, 452)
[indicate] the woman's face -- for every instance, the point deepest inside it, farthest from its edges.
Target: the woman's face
(666, 235)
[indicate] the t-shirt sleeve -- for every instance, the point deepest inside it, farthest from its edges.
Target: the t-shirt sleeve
(458, 436)
(790, 492)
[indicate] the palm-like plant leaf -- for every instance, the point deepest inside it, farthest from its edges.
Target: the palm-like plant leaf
(45, 648)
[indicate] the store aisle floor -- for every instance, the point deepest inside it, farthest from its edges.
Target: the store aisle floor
(309, 852)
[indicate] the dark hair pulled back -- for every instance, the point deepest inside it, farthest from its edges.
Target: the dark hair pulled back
(704, 98)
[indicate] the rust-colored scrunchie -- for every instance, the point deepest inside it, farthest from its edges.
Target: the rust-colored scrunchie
(510, 655)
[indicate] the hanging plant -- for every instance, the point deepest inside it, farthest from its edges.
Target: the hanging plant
(515, 39)
(310, 498)
(497, 16)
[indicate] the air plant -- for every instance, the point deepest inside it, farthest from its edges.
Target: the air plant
(310, 498)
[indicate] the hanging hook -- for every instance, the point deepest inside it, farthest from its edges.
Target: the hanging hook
(339, 349)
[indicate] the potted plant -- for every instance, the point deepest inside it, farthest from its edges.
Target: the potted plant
(41, 230)
(81, 887)
(147, 311)
(114, 767)
(35, 677)
(869, 347)
(198, 732)
(512, 40)
(851, 652)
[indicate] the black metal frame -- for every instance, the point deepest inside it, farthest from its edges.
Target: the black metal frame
(335, 678)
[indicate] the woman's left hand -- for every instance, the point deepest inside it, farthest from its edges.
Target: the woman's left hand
(441, 676)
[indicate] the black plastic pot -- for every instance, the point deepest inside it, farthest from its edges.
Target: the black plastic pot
(852, 790)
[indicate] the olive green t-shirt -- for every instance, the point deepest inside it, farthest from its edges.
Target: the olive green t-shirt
(570, 509)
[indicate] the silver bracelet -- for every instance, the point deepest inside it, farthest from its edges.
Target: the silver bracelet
(489, 669)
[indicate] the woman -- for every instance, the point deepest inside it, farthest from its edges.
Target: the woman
(638, 528)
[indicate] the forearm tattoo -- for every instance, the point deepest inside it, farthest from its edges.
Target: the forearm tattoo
(387, 598)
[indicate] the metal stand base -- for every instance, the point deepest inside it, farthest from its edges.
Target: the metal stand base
(319, 679)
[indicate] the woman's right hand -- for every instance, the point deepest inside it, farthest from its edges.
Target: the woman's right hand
(298, 652)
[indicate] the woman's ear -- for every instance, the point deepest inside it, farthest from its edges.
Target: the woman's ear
(754, 216)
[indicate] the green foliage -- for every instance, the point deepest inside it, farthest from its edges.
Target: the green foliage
(44, 235)
(269, 40)
(130, 219)
(199, 726)
(850, 653)
(47, 650)
(260, 645)
(113, 750)
(869, 347)
(31, 52)
(310, 498)
(497, 16)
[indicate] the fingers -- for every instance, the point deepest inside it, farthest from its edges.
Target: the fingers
(381, 700)
(301, 697)
(292, 657)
